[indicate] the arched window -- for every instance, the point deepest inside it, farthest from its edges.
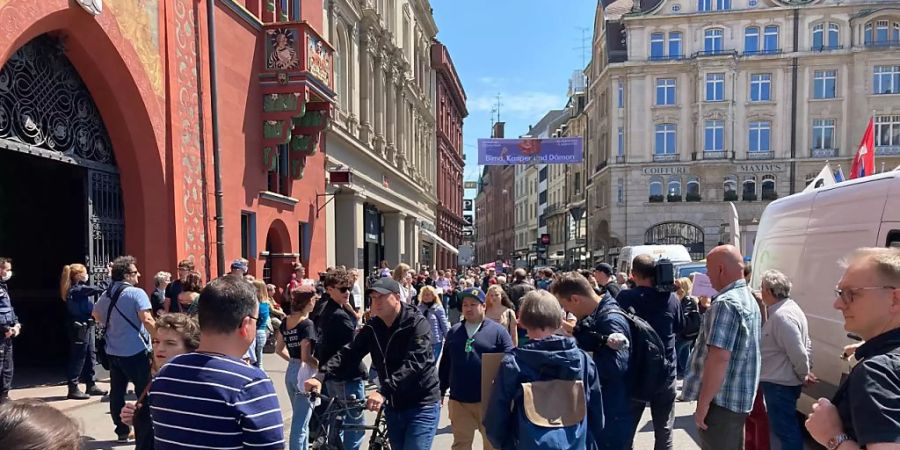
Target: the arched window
(656, 189)
(713, 40)
(768, 188)
(749, 188)
(730, 188)
(825, 36)
(693, 190)
(879, 33)
(340, 63)
(673, 191)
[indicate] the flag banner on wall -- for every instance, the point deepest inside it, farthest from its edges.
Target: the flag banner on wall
(530, 151)
(864, 161)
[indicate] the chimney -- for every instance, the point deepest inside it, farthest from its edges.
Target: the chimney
(497, 132)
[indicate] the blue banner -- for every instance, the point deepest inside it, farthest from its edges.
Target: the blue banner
(530, 151)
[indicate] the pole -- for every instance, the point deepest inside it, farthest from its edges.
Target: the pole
(217, 158)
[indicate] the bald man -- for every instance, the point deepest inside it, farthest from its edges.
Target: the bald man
(724, 369)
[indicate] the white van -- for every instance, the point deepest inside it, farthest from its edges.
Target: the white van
(805, 236)
(675, 253)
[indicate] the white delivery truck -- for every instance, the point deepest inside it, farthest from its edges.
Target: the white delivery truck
(805, 236)
(678, 254)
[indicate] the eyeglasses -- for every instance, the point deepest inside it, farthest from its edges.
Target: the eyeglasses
(133, 272)
(847, 295)
(254, 318)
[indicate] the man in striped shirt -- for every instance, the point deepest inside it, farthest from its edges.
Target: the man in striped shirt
(210, 398)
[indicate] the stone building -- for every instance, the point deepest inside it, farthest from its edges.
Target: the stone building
(450, 104)
(383, 132)
(108, 126)
(495, 220)
(695, 104)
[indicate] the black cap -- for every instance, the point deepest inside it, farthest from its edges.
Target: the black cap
(605, 268)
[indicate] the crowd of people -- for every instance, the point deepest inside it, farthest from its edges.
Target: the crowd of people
(580, 356)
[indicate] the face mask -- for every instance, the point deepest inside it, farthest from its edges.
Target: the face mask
(7, 276)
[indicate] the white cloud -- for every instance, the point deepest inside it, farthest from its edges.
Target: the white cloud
(525, 103)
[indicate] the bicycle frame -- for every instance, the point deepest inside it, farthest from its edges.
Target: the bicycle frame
(331, 423)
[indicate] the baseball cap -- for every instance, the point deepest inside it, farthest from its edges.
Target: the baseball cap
(386, 286)
(472, 292)
(605, 268)
(239, 264)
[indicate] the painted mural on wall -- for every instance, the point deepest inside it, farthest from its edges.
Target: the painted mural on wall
(138, 22)
(318, 61)
(282, 52)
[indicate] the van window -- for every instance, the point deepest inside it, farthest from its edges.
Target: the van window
(893, 239)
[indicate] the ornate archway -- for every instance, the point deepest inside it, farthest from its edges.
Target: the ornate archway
(678, 233)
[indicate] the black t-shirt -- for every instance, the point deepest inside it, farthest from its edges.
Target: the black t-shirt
(172, 290)
(868, 402)
(293, 337)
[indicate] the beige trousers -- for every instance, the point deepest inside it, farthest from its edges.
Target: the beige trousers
(465, 418)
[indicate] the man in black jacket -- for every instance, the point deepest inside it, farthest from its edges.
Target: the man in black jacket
(603, 273)
(398, 339)
(335, 325)
(519, 288)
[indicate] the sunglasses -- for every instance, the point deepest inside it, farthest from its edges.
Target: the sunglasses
(343, 289)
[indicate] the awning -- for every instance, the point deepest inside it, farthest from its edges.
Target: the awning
(440, 241)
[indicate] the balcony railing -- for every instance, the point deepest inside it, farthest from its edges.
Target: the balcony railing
(826, 48)
(665, 57)
(665, 158)
(760, 155)
(887, 150)
(774, 51)
(883, 44)
(715, 154)
(723, 52)
(824, 152)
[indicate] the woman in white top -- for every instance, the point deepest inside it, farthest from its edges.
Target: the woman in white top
(499, 308)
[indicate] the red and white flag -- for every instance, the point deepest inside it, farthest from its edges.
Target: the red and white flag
(864, 161)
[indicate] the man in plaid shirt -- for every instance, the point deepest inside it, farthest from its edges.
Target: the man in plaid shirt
(724, 369)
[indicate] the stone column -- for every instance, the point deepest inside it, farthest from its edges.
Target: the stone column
(412, 242)
(379, 104)
(401, 123)
(348, 229)
(390, 117)
(395, 241)
(365, 92)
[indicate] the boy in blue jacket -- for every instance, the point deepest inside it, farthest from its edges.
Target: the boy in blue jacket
(547, 393)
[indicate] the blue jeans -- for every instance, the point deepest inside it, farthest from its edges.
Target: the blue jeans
(683, 349)
(302, 411)
(261, 337)
(122, 369)
(343, 390)
(412, 428)
(437, 351)
(781, 405)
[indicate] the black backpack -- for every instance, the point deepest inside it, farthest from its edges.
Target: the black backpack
(648, 369)
(692, 320)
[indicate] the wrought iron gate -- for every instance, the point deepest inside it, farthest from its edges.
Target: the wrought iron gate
(47, 111)
(678, 233)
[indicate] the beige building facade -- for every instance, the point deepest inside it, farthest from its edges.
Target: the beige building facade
(384, 132)
(695, 104)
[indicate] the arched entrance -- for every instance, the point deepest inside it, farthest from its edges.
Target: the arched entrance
(678, 233)
(277, 268)
(60, 195)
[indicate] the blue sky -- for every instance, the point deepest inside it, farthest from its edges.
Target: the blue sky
(525, 50)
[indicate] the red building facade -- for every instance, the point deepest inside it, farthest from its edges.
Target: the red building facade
(140, 179)
(450, 108)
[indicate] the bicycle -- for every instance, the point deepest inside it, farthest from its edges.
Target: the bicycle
(331, 423)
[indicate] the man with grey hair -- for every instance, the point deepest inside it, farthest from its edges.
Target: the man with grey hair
(865, 409)
(785, 350)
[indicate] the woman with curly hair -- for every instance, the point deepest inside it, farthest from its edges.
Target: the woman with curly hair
(500, 309)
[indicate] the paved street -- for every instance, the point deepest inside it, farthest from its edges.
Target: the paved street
(93, 416)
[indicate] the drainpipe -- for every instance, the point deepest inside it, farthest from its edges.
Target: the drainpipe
(217, 158)
(794, 100)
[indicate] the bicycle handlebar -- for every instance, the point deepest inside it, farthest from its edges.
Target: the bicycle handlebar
(348, 404)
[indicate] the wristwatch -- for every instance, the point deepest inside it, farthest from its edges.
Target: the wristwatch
(836, 441)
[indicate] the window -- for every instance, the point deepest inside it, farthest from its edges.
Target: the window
(657, 45)
(751, 40)
(715, 87)
(674, 190)
(887, 131)
(822, 41)
(713, 40)
(749, 193)
(704, 5)
(714, 136)
(542, 198)
(886, 80)
(770, 39)
(620, 150)
(665, 139)
(708, 5)
(620, 94)
(882, 32)
(306, 236)
(823, 134)
(760, 87)
(656, 189)
(620, 191)
(768, 187)
(824, 84)
(759, 136)
(693, 190)
(723, 5)
(730, 188)
(675, 44)
(665, 91)
(248, 235)
(280, 175)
